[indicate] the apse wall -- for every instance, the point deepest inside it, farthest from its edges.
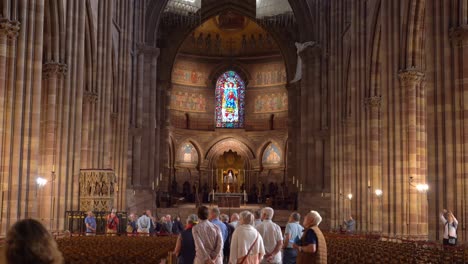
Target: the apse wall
(192, 103)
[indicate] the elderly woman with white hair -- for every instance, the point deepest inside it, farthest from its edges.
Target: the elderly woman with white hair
(247, 243)
(312, 248)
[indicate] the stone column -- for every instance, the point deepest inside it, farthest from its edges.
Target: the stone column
(373, 104)
(312, 136)
(52, 80)
(9, 31)
(410, 83)
(459, 41)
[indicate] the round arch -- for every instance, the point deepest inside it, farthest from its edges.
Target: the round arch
(226, 144)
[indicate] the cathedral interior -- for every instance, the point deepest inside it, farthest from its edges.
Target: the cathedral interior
(339, 106)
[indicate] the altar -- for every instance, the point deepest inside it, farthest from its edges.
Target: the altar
(233, 200)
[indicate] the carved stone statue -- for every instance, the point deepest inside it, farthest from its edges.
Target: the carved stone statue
(300, 47)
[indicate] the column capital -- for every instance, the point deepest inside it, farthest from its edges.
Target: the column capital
(9, 28)
(373, 101)
(142, 48)
(90, 97)
(52, 68)
(410, 76)
(458, 34)
(323, 133)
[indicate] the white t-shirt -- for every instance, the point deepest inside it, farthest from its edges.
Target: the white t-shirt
(271, 234)
(242, 239)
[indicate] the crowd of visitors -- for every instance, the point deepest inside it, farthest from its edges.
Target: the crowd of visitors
(247, 240)
(208, 237)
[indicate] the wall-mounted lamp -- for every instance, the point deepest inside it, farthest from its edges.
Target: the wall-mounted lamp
(350, 196)
(422, 188)
(41, 182)
(378, 192)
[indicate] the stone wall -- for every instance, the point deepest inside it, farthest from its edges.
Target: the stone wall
(64, 83)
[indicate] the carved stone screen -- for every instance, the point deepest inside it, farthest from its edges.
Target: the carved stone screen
(97, 190)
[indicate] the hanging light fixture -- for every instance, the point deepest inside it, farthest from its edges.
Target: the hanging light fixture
(274, 12)
(182, 12)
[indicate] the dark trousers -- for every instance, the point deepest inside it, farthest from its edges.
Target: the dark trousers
(445, 242)
(289, 256)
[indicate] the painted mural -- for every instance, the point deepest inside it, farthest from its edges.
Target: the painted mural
(190, 73)
(188, 154)
(271, 103)
(188, 101)
(271, 155)
(270, 74)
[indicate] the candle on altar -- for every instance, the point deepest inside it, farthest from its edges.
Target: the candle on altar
(213, 195)
(160, 176)
(157, 182)
(245, 196)
(297, 184)
(293, 179)
(152, 185)
(301, 187)
(53, 168)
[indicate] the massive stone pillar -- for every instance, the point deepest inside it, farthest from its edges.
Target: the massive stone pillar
(145, 131)
(20, 96)
(313, 136)
(373, 104)
(414, 169)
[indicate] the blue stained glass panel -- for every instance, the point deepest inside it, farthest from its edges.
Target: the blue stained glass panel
(230, 95)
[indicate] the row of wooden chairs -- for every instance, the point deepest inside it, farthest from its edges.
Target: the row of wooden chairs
(115, 249)
(363, 249)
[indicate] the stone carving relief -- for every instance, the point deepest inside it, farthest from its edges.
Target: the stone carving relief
(97, 190)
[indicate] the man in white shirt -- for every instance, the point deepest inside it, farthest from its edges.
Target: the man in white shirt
(272, 237)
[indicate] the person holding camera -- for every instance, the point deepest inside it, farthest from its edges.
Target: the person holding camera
(450, 228)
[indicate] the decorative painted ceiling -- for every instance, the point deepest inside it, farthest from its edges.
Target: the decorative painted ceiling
(229, 34)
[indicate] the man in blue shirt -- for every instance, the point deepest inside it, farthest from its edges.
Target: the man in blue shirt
(90, 223)
(214, 218)
(292, 233)
(350, 225)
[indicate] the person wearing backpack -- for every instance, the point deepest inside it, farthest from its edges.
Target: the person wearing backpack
(450, 228)
(112, 223)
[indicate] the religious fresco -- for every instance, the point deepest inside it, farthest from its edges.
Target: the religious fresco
(188, 101)
(271, 103)
(188, 154)
(230, 93)
(267, 74)
(190, 73)
(271, 155)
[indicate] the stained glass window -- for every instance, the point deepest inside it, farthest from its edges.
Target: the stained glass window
(230, 94)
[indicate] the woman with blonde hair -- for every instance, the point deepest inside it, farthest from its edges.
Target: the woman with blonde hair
(246, 243)
(28, 241)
